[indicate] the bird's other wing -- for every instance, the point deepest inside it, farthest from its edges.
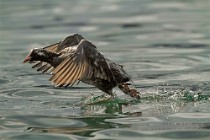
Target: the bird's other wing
(85, 62)
(69, 41)
(53, 47)
(56, 48)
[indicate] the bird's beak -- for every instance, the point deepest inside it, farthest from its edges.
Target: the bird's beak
(28, 58)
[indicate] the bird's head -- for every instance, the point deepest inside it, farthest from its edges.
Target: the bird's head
(35, 55)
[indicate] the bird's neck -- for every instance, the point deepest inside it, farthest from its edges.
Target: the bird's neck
(50, 58)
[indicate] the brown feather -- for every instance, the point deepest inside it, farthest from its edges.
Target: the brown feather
(62, 79)
(68, 79)
(73, 77)
(84, 70)
(59, 69)
(71, 74)
(61, 76)
(80, 73)
(53, 47)
(89, 72)
(58, 76)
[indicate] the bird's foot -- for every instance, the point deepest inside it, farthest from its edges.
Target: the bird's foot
(129, 89)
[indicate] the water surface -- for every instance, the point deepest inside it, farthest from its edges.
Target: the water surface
(163, 45)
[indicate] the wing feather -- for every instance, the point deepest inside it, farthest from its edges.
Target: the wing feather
(38, 64)
(56, 48)
(63, 79)
(86, 61)
(68, 78)
(74, 76)
(61, 66)
(58, 80)
(58, 70)
(43, 67)
(53, 47)
(48, 69)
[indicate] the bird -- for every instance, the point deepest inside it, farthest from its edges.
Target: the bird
(75, 60)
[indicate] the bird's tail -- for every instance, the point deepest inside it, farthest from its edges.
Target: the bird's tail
(129, 89)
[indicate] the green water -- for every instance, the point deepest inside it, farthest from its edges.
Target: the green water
(163, 44)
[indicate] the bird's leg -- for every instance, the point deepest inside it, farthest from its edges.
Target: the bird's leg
(128, 90)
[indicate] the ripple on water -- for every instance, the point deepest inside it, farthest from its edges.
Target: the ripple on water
(186, 45)
(192, 115)
(23, 93)
(133, 120)
(4, 81)
(48, 121)
(38, 136)
(58, 122)
(204, 135)
(124, 134)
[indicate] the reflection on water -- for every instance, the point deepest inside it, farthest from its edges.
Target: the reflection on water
(164, 45)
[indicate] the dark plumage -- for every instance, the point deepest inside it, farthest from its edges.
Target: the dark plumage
(76, 59)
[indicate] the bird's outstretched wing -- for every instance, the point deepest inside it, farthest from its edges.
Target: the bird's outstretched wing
(56, 48)
(85, 62)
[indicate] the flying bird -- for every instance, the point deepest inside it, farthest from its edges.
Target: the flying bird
(76, 59)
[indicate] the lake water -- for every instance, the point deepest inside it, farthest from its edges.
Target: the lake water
(163, 44)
